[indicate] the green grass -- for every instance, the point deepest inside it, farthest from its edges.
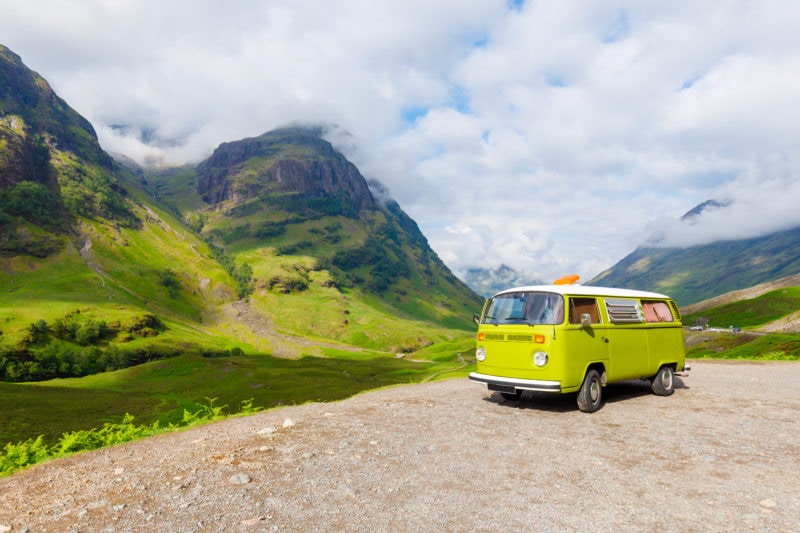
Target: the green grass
(162, 390)
(752, 313)
(771, 347)
(16, 456)
(747, 314)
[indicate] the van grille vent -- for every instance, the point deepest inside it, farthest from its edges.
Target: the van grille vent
(520, 338)
(675, 311)
(495, 337)
(624, 311)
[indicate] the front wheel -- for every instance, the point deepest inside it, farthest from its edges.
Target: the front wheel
(591, 393)
(663, 383)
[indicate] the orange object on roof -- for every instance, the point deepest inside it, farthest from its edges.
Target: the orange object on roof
(569, 279)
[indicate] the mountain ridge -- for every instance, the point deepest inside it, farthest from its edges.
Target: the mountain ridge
(696, 273)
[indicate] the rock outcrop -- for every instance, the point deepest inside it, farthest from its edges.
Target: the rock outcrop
(283, 161)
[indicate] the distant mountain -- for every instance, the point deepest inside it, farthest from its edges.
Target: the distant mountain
(274, 244)
(698, 209)
(488, 282)
(701, 272)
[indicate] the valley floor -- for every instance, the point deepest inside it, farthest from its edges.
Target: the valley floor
(721, 454)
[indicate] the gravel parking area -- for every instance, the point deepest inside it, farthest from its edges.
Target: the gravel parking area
(721, 454)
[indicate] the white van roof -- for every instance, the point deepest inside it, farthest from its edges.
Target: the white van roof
(586, 290)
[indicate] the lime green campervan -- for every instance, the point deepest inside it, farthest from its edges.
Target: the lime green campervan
(567, 338)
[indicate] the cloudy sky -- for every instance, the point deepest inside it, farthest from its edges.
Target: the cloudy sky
(553, 136)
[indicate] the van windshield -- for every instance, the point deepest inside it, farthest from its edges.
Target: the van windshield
(525, 308)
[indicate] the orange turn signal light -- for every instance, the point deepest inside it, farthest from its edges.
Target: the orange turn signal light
(538, 339)
(481, 336)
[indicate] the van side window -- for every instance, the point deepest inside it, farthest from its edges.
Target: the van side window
(624, 311)
(656, 311)
(580, 306)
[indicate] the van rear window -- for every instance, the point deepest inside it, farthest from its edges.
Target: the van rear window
(656, 311)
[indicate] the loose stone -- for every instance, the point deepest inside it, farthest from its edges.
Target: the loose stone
(239, 479)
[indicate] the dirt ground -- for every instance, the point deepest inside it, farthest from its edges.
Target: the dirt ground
(721, 454)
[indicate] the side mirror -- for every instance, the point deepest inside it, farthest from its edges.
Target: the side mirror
(586, 320)
(476, 319)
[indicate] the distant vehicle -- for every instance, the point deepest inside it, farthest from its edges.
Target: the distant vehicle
(565, 338)
(696, 328)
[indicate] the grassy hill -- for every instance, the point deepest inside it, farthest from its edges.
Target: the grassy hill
(761, 322)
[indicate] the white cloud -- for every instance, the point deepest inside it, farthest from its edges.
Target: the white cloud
(763, 201)
(553, 137)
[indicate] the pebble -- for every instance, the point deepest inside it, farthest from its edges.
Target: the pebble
(269, 430)
(4, 529)
(239, 479)
(768, 503)
(288, 423)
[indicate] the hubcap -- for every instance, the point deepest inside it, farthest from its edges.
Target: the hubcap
(594, 391)
(666, 378)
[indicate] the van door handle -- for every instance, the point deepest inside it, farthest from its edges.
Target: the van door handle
(604, 339)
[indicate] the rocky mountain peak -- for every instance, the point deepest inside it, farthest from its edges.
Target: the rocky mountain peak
(283, 161)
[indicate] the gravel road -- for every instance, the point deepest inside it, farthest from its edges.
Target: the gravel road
(721, 454)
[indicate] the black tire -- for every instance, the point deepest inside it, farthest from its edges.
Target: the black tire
(591, 393)
(663, 383)
(512, 396)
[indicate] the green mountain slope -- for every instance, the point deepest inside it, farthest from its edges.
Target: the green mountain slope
(274, 245)
(700, 272)
(302, 221)
(52, 170)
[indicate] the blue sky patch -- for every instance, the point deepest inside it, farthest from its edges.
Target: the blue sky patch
(555, 80)
(411, 114)
(619, 29)
(459, 99)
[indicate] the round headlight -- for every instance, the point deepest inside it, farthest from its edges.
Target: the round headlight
(480, 353)
(540, 358)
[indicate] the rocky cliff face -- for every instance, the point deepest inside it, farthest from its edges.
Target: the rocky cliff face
(52, 168)
(26, 95)
(284, 161)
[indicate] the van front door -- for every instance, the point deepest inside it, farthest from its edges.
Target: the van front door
(586, 339)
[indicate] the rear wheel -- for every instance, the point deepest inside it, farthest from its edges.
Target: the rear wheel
(591, 393)
(663, 383)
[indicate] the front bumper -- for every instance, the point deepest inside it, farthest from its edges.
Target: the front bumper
(503, 384)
